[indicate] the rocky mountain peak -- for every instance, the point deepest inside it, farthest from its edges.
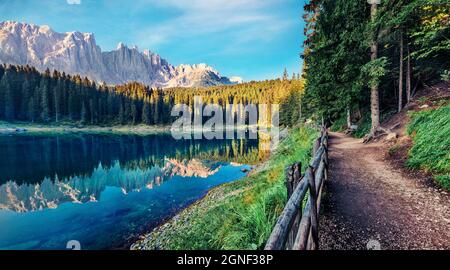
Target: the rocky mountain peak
(78, 53)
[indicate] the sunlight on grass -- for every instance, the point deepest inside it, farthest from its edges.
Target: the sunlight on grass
(430, 131)
(241, 214)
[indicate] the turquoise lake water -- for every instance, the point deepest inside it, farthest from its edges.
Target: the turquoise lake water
(102, 190)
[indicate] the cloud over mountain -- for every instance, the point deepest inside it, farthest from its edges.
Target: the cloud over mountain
(78, 53)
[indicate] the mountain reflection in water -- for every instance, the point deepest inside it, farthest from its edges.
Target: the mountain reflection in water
(104, 190)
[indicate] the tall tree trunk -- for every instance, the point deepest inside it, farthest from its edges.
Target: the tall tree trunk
(374, 102)
(349, 117)
(400, 76)
(408, 75)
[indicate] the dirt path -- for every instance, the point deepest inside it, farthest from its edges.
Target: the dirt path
(367, 199)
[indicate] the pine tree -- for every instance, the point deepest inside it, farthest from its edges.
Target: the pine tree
(45, 106)
(71, 106)
(5, 85)
(335, 61)
(57, 98)
(92, 111)
(25, 98)
(285, 75)
(32, 110)
(83, 113)
(156, 108)
(146, 119)
(127, 110)
(134, 113)
(63, 96)
(121, 113)
(56, 102)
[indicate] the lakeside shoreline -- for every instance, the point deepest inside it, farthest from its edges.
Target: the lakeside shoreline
(13, 128)
(151, 237)
(23, 128)
(224, 217)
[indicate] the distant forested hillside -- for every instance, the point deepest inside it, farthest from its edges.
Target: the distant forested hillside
(365, 60)
(27, 95)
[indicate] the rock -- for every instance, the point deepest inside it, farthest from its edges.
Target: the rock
(391, 136)
(424, 106)
(284, 133)
(245, 170)
(21, 130)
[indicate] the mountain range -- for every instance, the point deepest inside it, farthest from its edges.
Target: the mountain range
(78, 53)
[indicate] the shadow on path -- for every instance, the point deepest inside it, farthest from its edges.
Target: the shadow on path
(366, 199)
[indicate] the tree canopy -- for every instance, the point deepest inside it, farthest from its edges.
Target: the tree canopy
(28, 95)
(338, 68)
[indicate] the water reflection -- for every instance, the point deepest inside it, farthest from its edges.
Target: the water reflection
(104, 190)
(30, 159)
(82, 189)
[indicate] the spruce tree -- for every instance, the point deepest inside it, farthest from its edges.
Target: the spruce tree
(45, 106)
(31, 110)
(71, 106)
(83, 113)
(9, 98)
(146, 113)
(134, 113)
(25, 98)
(57, 99)
(121, 113)
(285, 74)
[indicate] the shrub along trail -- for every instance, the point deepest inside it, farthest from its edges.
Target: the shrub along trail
(367, 199)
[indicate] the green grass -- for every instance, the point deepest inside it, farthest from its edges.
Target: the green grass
(241, 214)
(364, 125)
(430, 131)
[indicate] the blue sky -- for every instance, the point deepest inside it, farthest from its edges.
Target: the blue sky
(253, 39)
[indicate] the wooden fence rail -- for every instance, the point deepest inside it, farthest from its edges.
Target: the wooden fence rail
(297, 227)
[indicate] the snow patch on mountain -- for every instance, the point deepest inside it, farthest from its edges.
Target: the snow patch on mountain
(78, 53)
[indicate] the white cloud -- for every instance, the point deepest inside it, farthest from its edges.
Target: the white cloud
(246, 20)
(74, 2)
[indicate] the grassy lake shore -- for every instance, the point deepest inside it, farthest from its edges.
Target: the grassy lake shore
(68, 128)
(236, 215)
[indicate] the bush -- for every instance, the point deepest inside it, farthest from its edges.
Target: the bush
(430, 131)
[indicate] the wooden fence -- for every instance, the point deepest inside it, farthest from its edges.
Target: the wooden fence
(297, 227)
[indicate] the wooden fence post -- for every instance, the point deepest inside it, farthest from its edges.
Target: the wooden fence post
(314, 222)
(297, 228)
(289, 180)
(296, 176)
(293, 177)
(316, 146)
(297, 173)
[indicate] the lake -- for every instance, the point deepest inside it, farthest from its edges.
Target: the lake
(105, 190)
